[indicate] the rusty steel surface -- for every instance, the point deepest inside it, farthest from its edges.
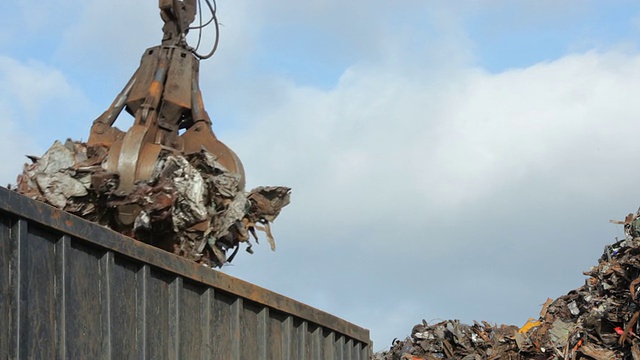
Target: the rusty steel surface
(73, 289)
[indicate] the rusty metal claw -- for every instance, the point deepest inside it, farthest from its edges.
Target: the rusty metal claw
(164, 96)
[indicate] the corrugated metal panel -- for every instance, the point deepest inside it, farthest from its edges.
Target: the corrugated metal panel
(72, 289)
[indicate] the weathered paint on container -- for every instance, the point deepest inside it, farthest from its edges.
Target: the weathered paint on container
(71, 289)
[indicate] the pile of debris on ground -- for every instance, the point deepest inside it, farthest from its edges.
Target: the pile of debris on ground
(596, 321)
(191, 205)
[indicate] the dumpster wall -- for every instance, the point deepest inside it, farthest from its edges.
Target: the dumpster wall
(73, 289)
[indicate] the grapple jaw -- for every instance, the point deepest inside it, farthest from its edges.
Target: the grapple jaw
(164, 97)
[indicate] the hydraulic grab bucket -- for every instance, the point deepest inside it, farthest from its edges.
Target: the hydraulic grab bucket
(164, 97)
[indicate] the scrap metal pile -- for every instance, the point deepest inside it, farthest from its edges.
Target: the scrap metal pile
(596, 321)
(191, 205)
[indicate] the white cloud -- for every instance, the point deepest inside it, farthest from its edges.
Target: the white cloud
(37, 106)
(14, 144)
(448, 172)
(455, 141)
(110, 36)
(40, 96)
(31, 84)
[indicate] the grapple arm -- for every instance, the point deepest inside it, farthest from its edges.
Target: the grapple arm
(163, 95)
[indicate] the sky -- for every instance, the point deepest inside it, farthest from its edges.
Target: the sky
(448, 159)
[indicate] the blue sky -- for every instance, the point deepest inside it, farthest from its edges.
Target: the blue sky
(502, 35)
(449, 159)
(512, 37)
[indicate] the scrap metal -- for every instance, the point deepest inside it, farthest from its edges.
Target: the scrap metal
(599, 320)
(191, 204)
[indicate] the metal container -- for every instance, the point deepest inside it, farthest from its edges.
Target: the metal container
(71, 289)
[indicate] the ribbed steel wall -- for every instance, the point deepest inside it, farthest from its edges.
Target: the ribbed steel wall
(70, 289)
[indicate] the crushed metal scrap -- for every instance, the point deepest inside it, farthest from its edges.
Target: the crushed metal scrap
(191, 205)
(596, 321)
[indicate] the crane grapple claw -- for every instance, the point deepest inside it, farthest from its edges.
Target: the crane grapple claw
(164, 97)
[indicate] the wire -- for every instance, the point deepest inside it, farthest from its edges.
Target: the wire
(214, 19)
(208, 21)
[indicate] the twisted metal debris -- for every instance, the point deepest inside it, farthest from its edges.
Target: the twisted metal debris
(596, 321)
(191, 205)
